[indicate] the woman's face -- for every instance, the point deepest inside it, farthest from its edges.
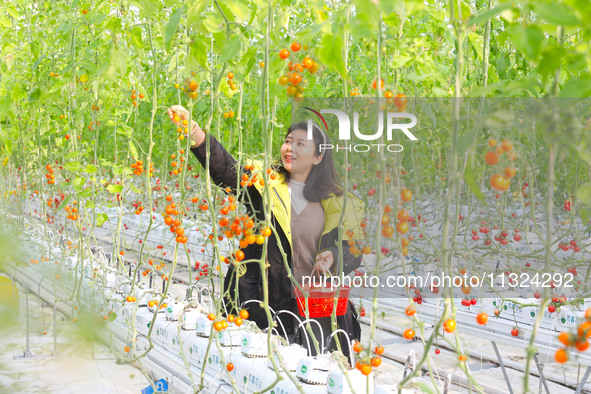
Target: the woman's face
(298, 155)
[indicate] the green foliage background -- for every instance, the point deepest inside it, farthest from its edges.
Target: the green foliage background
(426, 49)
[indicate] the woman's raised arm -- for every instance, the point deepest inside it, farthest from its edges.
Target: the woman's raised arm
(222, 166)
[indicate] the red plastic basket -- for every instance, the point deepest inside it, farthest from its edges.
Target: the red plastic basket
(321, 301)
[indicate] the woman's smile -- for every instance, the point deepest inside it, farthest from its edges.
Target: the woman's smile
(297, 147)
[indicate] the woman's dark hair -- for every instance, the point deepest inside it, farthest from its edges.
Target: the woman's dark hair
(323, 178)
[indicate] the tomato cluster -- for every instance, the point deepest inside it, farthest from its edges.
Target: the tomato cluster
(153, 303)
(228, 114)
(418, 298)
(241, 226)
(572, 245)
(493, 158)
(50, 176)
(182, 128)
(557, 300)
(138, 207)
(190, 87)
(202, 268)
(175, 170)
(157, 267)
(134, 96)
(72, 212)
(248, 180)
(175, 224)
(293, 79)
(402, 226)
(369, 360)
(578, 339)
(138, 167)
(400, 100)
(231, 82)
(403, 219)
(222, 324)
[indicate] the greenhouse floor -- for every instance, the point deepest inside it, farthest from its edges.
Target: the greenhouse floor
(78, 366)
(81, 366)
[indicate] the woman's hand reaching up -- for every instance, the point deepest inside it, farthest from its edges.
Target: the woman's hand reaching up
(180, 117)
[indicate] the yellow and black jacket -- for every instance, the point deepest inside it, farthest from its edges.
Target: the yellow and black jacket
(224, 173)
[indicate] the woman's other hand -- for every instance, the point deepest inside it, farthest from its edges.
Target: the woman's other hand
(324, 260)
(178, 114)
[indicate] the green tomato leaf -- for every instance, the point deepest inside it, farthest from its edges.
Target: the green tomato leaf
(133, 150)
(5, 22)
(214, 23)
(365, 22)
(34, 95)
(90, 169)
(552, 58)
(118, 61)
(134, 188)
(198, 53)
(555, 13)
(172, 26)
(114, 24)
(500, 119)
(8, 145)
(135, 37)
(125, 130)
(584, 215)
(195, 12)
(477, 42)
(101, 218)
(528, 39)
(331, 53)
(576, 87)
(488, 14)
(148, 8)
(90, 205)
(73, 166)
(470, 180)
(115, 189)
(71, 155)
(247, 60)
(231, 49)
(583, 193)
(65, 202)
(13, 12)
(84, 193)
(112, 315)
(240, 9)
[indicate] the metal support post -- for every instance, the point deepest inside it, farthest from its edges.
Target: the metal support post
(500, 359)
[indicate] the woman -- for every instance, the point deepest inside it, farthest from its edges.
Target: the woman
(307, 206)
